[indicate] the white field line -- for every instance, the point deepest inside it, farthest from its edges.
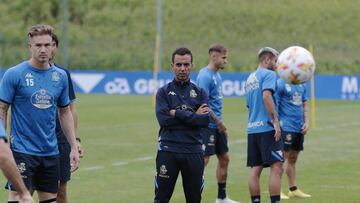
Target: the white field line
(238, 141)
(93, 168)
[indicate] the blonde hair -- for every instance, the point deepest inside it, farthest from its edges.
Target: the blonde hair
(217, 48)
(40, 29)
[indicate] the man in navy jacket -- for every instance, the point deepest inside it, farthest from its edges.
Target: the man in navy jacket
(181, 110)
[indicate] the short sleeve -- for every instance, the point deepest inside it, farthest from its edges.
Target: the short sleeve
(269, 81)
(8, 86)
(305, 97)
(204, 81)
(64, 99)
(71, 87)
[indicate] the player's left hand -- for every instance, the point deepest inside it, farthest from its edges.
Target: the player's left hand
(305, 128)
(74, 159)
(222, 128)
(203, 109)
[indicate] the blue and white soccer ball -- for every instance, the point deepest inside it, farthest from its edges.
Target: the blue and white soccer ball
(295, 65)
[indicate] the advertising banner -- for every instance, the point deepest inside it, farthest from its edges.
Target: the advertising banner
(143, 83)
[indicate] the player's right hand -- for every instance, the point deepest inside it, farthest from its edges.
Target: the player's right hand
(277, 128)
(74, 159)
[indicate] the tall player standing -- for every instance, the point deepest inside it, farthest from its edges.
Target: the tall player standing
(215, 136)
(264, 133)
(35, 90)
(294, 122)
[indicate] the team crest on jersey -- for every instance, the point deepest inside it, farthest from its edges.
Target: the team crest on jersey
(193, 93)
(55, 76)
(296, 99)
(29, 75)
(42, 99)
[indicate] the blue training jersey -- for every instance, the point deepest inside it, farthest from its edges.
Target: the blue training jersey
(211, 82)
(258, 81)
(290, 100)
(34, 95)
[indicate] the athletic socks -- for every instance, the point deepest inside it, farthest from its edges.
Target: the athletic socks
(293, 188)
(275, 198)
(221, 190)
(255, 199)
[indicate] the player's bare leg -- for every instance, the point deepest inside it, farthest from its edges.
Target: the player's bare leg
(222, 167)
(254, 181)
(292, 157)
(47, 196)
(62, 194)
(276, 171)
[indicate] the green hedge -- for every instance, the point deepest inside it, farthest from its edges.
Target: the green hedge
(120, 34)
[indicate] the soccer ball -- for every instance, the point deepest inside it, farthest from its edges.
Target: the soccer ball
(295, 65)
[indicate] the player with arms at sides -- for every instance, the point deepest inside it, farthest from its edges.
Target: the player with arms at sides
(35, 90)
(294, 123)
(264, 135)
(215, 136)
(181, 110)
(63, 144)
(9, 169)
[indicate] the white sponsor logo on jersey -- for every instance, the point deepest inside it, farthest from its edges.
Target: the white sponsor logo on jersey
(42, 99)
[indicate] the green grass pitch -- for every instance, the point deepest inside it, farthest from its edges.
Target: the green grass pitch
(119, 134)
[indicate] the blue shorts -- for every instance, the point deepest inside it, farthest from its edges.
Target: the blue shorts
(293, 141)
(64, 159)
(38, 172)
(168, 166)
(263, 150)
(214, 142)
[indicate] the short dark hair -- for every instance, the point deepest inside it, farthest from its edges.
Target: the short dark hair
(40, 29)
(55, 39)
(182, 51)
(217, 48)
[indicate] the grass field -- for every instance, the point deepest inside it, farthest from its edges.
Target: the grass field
(119, 134)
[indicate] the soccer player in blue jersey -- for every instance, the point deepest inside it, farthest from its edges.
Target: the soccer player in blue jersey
(294, 123)
(63, 144)
(9, 169)
(35, 90)
(215, 136)
(264, 135)
(181, 110)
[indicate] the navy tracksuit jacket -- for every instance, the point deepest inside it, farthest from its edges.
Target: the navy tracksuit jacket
(180, 142)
